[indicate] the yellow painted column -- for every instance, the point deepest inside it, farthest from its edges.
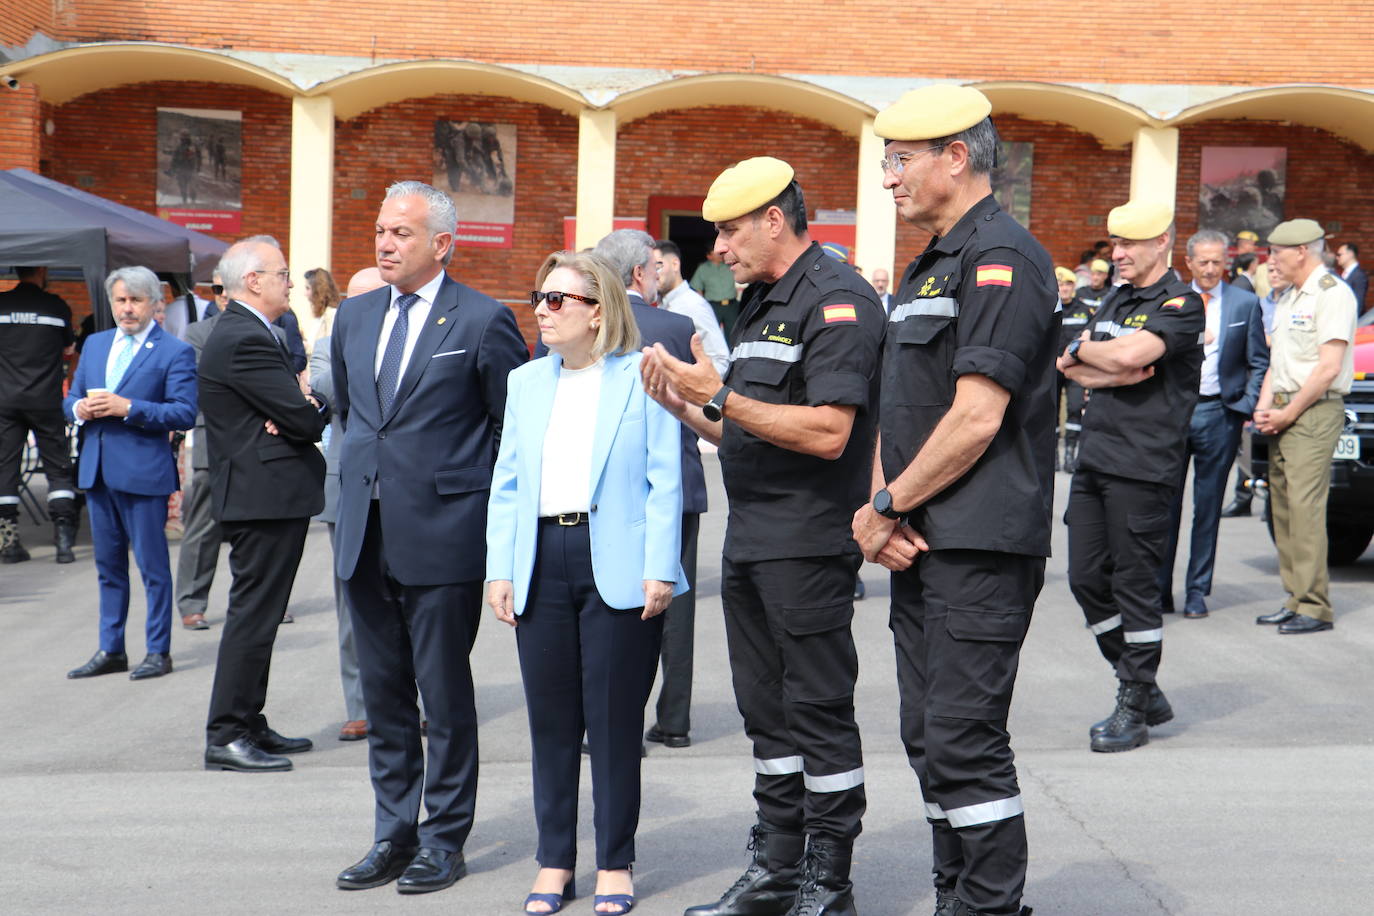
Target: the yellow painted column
(875, 221)
(312, 197)
(595, 176)
(1154, 163)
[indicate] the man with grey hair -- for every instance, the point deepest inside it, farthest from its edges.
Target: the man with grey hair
(419, 369)
(1234, 359)
(1302, 406)
(134, 384)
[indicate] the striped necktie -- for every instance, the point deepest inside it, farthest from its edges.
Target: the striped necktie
(121, 363)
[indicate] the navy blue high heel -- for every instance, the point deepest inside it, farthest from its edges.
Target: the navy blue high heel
(555, 901)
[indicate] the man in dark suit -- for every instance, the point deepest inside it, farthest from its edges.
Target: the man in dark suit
(881, 281)
(1234, 359)
(419, 370)
(1348, 260)
(266, 481)
(135, 384)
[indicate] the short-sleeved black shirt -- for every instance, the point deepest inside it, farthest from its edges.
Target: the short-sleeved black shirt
(35, 327)
(811, 338)
(981, 300)
(1137, 431)
(1077, 314)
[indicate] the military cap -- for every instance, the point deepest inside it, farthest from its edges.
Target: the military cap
(1136, 220)
(1099, 264)
(1064, 275)
(931, 112)
(837, 251)
(744, 187)
(1296, 232)
(1247, 234)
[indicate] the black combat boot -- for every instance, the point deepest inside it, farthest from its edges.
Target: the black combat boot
(769, 885)
(1071, 452)
(945, 903)
(960, 908)
(826, 889)
(1126, 729)
(11, 550)
(64, 537)
(1156, 713)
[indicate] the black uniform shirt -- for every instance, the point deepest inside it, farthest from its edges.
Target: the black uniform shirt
(1138, 430)
(1092, 298)
(1077, 314)
(35, 327)
(811, 338)
(982, 300)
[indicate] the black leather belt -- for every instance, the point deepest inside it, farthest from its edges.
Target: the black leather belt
(1209, 397)
(566, 520)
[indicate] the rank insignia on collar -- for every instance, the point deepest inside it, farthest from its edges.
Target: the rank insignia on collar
(1174, 303)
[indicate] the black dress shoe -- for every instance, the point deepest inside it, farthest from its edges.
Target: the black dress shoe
(658, 736)
(1282, 615)
(1301, 623)
(859, 590)
(1166, 604)
(1195, 608)
(101, 662)
(155, 665)
(431, 870)
(383, 863)
(243, 756)
(273, 743)
(1236, 508)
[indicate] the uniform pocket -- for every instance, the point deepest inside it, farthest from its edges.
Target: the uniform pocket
(807, 621)
(1147, 522)
(986, 624)
(921, 329)
(976, 670)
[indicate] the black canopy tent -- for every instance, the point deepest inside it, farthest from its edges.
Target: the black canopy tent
(44, 223)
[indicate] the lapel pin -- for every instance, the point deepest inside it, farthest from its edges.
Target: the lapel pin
(148, 345)
(442, 319)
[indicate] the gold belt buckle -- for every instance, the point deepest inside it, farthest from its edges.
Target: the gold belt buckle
(569, 520)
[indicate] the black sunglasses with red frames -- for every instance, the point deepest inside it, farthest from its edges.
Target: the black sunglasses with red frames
(555, 299)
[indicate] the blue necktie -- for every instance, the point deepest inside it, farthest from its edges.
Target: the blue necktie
(389, 378)
(121, 363)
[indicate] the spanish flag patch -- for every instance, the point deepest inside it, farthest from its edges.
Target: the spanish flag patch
(994, 275)
(1174, 303)
(834, 313)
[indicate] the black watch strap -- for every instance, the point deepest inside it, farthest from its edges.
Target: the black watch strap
(882, 504)
(714, 409)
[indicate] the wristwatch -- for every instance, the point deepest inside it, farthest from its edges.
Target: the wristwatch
(882, 504)
(714, 409)
(1072, 351)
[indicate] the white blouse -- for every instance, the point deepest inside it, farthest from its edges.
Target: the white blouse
(565, 477)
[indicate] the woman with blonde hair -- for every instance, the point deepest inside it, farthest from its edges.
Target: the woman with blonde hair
(324, 297)
(583, 533)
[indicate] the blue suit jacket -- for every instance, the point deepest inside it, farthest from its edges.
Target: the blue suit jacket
(132, 454)
(431, 456)
(1243, 356)
(636, 517)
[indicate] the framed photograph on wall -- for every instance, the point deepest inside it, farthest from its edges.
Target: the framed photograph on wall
(1242, 187)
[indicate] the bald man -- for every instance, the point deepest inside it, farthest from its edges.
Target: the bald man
(880, 282)
(322, 380)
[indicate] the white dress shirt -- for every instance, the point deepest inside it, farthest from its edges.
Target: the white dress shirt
(684, 300)
(118, 345)
(1210, 382)
(417, 316)
(565, 473)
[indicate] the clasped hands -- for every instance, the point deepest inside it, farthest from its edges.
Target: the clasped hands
(886, 542)
(1272, 421)
(501, 599)
(101, 404)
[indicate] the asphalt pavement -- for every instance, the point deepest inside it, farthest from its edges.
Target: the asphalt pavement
(1257, 799)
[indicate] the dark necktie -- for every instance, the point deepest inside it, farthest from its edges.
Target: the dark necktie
(390, 375)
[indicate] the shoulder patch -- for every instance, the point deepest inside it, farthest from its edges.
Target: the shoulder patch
(994, 275)
(1327, 282)
(1174, 303)
(840, 312)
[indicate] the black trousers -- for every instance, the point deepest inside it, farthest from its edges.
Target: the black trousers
(958, 620)
(263, 556)
(586, 667)
(410, 635)
(49, 427)
(674, 708)
(1117, 531)
(794, 665)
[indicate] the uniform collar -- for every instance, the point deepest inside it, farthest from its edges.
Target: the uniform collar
(954, 240)
(1310, 286)
(1155, 289)
(786, 285)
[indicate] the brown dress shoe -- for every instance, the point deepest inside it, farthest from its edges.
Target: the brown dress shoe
(194, 622)
(353, 730)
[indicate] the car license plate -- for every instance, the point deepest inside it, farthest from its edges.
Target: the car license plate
(1347, 447)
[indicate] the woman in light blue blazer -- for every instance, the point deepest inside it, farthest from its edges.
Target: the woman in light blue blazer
(583, 533)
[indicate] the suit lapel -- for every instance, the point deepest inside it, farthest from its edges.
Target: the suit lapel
(535, 412)
(617, 381)
(362, 355)
(98, 353)
(141, 355)
(1223, 315)
(440, 322)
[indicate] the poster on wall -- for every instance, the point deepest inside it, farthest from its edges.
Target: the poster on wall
(200, 168)
(1011, 180)
(1242, 187)
(474, 161)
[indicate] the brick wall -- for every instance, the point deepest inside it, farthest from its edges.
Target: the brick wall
(394, 142)
(1148, 41)
(21, 124)
(22, 18)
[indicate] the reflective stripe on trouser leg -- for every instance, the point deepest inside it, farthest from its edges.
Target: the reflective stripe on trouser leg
(1139, 514)
(1088, 562)
(794, 688)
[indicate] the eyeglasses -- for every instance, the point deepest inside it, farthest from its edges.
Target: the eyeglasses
(896, 162)
(555, 299)
(217, 289)
(283, 274)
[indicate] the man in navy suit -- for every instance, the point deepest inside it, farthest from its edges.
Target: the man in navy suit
(419, 371)
(1234, 359)
(1348, 260)
(135, 383)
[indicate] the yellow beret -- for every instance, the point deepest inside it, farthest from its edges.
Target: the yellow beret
(1099, 264)
(1140, 219)
(744, 187)
(932, 112)
(1064, 275)
(1247, 234)
(1296, 232)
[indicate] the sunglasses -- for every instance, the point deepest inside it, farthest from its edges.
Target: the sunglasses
(217, 289)
(555, 299)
